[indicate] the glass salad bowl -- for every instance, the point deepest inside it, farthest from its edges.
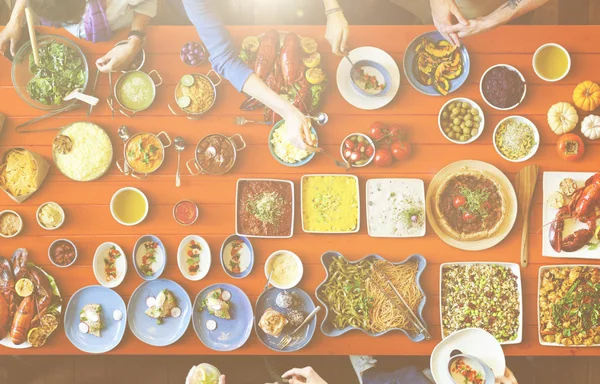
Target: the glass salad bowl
(71, 72)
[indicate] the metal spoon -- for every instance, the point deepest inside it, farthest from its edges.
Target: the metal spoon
(179, 146)
(321, 118)
(240, 120)
(124, 135)
(342, 164)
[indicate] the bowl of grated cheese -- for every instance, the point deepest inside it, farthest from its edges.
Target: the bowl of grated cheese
(516, 139)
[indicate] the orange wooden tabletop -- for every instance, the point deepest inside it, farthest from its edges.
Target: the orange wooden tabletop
(89, 222)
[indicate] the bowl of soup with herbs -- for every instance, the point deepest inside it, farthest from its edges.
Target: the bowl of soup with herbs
(145, 152)
(136, 90)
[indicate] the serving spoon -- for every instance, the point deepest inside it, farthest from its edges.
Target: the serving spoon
(321, 118)
(342, 164)
(124, 135)
(179, 146)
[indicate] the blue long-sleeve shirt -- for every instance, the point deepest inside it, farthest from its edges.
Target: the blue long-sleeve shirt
(223, 56)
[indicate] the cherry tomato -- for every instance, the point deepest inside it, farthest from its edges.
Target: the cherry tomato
(383, 157)
(401, 150)
(369, 150)
(468, 216)
(355, 156)
(347, 153)
(570, 147)
(376, 130)
(360, 147)
(349, 144)
(397, 132)
(459, 201)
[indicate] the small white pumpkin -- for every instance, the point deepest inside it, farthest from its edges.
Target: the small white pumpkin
(562, 118)
(590, 127)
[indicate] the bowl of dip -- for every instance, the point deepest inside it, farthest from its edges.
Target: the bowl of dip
(50, 216)
(135, 91)
(503, 87)
(215, 154)
(237, 256)
(375, 79)
(185, 212)
(129, 206)
(62, 253)
(11, 224)
(287, 269)
(551, 62)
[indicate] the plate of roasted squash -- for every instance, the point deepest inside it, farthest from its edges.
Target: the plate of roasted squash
(434, 66)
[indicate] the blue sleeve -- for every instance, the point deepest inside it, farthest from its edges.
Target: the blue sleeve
(223, 56)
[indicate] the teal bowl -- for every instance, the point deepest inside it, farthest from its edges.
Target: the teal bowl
(298, 163)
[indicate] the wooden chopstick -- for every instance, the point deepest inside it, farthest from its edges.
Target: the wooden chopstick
(32, 36)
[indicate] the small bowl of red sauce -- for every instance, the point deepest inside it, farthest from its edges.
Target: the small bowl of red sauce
(185, 212)
(62, 253)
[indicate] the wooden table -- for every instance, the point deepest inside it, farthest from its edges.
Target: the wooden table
(89, 222)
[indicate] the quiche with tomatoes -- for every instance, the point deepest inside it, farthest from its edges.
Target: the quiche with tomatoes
(470, 205)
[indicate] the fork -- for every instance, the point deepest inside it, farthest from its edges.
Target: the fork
(287, 339)
(242, 120)
(354, 73)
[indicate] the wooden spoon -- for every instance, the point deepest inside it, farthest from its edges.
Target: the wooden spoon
(32, 37)
(526, 181)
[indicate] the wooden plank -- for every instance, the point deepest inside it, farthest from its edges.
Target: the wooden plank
(574, 12)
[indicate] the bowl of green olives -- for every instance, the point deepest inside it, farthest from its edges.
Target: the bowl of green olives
(461, 120)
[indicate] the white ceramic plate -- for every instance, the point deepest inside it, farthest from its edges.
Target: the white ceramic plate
(551, 183)
(414, 187)
(205, 258)
(351, 95)
(543, 269)
(516, 270)
(120, 264)
(357, 199)
(470, 341)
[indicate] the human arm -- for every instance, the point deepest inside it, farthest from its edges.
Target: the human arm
(121, 56)
(222, 379)
(337, 30)
(508, 378)
(10, 35)
(303, 376)
(443, 12)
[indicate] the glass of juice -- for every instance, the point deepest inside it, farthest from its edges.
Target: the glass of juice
(551, 62)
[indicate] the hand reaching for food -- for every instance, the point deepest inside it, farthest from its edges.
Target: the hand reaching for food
(508, 378)
(298, 129)
(9, 37)
(442, 12)
(303, 375)
(222, 379)
(337, 33)
(118, 58)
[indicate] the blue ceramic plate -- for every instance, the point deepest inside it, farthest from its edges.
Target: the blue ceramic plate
(410, 66)
(373, 68)
(303, 303)
(224, 263)
(111, 334)
(230, 334)
(161, 257)
(327, 327)
(298, 163)
(144, 327)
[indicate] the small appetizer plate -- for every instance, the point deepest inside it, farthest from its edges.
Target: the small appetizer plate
(302, 303)
(160, 255)
(113, 330)
(102, 262)
(246, 252)
(186, 261)
(145, 327)
(229, 334)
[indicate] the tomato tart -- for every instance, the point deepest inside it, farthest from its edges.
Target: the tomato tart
(470, 205)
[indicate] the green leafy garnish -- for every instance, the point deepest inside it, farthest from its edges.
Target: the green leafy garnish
(475, 200)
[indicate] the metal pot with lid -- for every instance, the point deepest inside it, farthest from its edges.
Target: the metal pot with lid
(215, 154)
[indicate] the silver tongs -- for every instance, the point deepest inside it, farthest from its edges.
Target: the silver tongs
(44, 117)
(380, 281)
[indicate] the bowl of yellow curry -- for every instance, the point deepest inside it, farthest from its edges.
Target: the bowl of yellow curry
(196, 94)
(144, 154)
(330, 204)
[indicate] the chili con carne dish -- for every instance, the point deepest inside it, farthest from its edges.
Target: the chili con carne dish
(265, 208)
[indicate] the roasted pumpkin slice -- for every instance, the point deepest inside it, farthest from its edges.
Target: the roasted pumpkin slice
(425, 64)
(442, 85)
(439, 51)
(452, 73)
(421, 46)
(424, 78)
(456, 59)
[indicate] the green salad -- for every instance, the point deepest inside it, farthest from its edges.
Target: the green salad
(61, 70)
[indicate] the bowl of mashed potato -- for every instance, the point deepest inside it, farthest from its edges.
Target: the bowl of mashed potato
(50, 216)
(284, 268)
(284, 151)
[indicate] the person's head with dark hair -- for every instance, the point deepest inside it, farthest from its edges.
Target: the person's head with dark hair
(58, 11)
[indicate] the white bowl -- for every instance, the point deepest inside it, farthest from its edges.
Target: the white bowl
(20, 220)
(62, 212)
(473, 105)
(270, 261)
(98, 265)
(511, 68)
(112, 202)
(369, 141)
(536, 135)
(205, 258)
(535, 55)
(74, 247)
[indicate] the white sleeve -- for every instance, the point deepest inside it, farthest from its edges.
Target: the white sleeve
(145, 7)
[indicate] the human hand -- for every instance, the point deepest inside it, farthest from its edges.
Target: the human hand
(303, 375)
(9, 37)
(297, 127)
(337, 32)
(120, 57)
(442, 12)
(508, 378)
(474, 27)
(222, 379)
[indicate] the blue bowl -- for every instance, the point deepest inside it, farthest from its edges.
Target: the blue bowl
(304, 304)
(230, 334)
(249, 245)
(296, 164)
(138, 244)
(327, 326)
(410, 64)
(387, 78)
(113, 331)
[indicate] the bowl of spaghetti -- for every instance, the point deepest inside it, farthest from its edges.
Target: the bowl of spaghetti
(354, 298)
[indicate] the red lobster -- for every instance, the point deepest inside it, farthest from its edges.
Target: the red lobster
(586, 201)
(291, 59)
(267, 54)
(43, 297)
(8, 297)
